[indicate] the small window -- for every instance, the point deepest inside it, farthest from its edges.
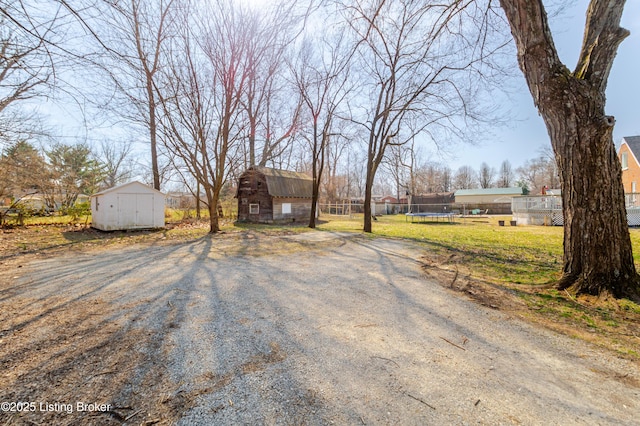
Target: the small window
(625, 160)
(244, 201)
(286, 208)
(254, 208)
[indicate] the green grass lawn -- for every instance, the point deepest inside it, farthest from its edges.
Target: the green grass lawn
(515, 254)
(521, 254)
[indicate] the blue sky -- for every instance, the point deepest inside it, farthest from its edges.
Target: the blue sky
(527, 135)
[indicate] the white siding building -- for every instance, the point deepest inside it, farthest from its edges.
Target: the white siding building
(129, 206)
(487, 195)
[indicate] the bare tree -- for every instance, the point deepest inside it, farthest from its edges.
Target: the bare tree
(432, 177)
(598, 256)
(201, 95)
(356, 172)
(447, 179)
(538, 173)
(24, 65)
(532, 174)
(505, 175)
(411, 55)
(413, 165)
(137, 30)
(28, 59)
(115, 159)
(486, 175)
(321, 80)
(437, 178)
(336, 179)
(465, 178)
(427, 178)
(397, 166)
(272, 113)
(127, 38)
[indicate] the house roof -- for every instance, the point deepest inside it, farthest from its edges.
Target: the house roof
(131, 186)
(490, 191)
(286, 184)
(633, 142)
(390, 198)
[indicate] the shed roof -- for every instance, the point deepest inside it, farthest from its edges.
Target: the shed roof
(490, 191)
(286, 184)
(129, 186)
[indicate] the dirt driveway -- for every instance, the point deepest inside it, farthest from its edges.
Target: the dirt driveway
(317, 328)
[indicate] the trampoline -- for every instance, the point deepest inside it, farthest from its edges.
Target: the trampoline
(427, 216)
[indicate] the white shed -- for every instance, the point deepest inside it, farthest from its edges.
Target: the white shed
(129, 206)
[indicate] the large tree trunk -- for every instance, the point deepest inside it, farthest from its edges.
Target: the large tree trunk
(315, 191)
(153, 131)
(214, 220)
(597, 248)
(314, 207)
(368, 188)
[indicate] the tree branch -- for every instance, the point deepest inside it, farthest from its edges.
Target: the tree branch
(602, 36)
(537, 54)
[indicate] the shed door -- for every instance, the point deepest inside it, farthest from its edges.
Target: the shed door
(127, 210)
(145, 210)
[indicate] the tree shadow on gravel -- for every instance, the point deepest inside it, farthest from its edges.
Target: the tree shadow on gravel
(96, 331)
(204, 333)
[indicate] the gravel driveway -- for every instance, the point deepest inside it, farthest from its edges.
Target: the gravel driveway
(318, 328)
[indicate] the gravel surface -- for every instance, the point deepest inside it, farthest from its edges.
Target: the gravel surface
(317, 328)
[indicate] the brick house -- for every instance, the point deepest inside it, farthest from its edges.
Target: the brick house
(629, 154)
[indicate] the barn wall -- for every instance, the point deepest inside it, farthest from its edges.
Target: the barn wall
(265, 208)
(253, 189)
(300, 209)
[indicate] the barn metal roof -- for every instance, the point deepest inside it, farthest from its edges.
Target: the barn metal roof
(286, 184)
